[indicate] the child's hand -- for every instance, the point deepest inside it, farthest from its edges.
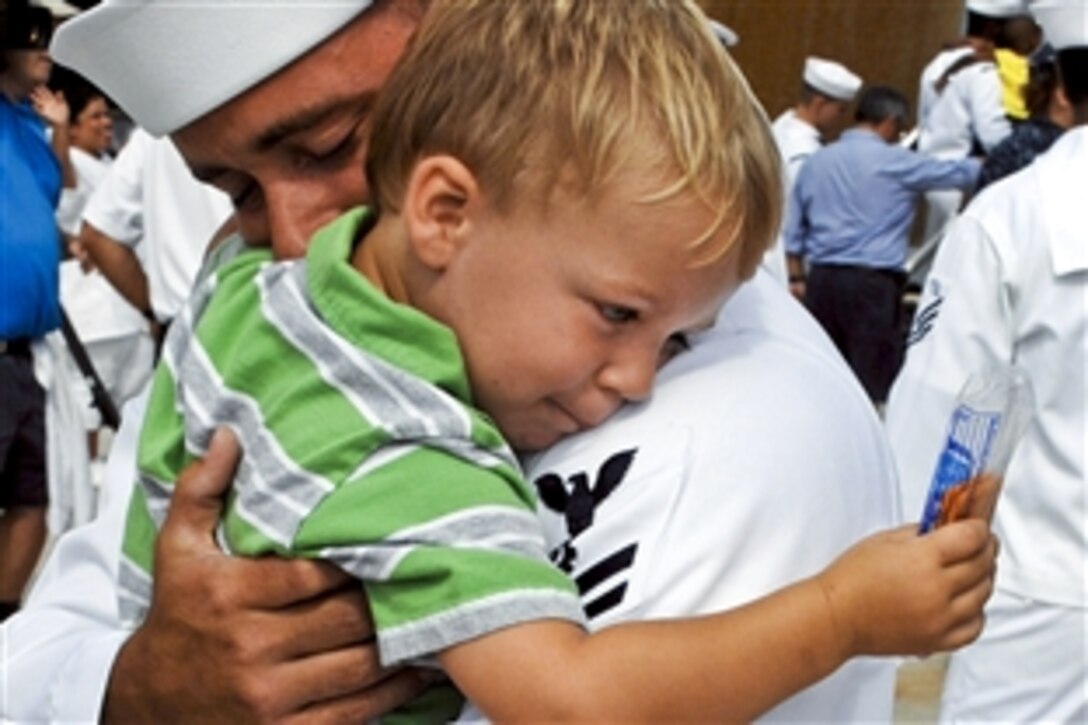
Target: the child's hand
(984, 495)
(899, 593)
(974, 498)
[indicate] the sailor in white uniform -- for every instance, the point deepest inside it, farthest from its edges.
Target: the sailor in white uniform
(1010, 284)
(960, 112)
(827, 90)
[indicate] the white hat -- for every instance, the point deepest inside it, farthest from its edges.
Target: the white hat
(831, 78)
(1064, 23)
(725, 35)
(168, 62)
(59, 8)
(998, 8)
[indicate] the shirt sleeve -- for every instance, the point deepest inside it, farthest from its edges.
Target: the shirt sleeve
(116, 206)
(795, 225)
(991, 125)
(920, 172)
(451, 551)
(70, 207)
(960, 327)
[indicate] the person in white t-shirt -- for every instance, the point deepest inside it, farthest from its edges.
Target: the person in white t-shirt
(147, 226)
(113, 332)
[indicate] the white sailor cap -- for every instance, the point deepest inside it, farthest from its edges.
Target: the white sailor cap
(168, 62)
(725, 35)
(999, 8)
(832, 79)
(1064, 22)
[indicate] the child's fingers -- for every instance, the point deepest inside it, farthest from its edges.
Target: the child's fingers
(964, 575)
(987, 487)
(965, 615)
(964, 634)
(960, 540)
(969, 602)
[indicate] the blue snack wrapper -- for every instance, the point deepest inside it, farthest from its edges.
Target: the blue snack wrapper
(991, 414)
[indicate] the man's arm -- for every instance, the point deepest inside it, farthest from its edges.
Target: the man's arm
(59, 650)
(119, 264)
(793, 240)
(275, 639)
(920, 172)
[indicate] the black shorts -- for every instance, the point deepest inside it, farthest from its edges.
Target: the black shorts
(22, 434)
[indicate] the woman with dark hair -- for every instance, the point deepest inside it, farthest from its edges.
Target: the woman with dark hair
(113, 332)
(90, 134)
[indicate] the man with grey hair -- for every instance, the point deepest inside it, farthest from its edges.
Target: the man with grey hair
(849, 217)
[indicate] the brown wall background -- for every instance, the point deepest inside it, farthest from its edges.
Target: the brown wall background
(886, 42)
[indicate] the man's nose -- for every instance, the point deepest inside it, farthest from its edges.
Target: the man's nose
(293, 214)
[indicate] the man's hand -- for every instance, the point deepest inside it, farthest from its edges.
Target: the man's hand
(900, 593)
(240, 640)
(79, 253)
(50, 106)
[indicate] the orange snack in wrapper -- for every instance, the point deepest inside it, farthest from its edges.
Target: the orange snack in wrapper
(992, 412)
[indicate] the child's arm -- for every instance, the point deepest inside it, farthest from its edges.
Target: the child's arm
(893, 593)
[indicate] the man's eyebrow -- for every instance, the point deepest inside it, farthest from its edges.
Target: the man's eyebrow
(311, 116)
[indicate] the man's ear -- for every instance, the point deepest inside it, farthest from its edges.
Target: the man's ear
(440, 191)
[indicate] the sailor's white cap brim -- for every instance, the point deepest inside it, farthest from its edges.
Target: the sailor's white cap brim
(169, 62)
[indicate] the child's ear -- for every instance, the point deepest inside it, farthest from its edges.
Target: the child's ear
(440, 189)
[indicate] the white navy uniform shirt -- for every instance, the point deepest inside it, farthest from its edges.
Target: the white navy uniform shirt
(756, 462)
(931, 74)
(968, 109)
(151, 202)
(1010, 284)
(796, 141)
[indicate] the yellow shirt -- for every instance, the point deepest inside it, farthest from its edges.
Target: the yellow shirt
(1013, 70)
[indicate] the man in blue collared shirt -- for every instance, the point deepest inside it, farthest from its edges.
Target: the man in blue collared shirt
(849, 219)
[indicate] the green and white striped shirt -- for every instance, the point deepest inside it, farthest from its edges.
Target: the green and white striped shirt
(360, 447)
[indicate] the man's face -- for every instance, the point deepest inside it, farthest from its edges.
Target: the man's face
(28, 69)
(290, 151)
(830, 115)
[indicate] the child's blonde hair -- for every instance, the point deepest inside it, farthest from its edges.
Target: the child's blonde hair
(562, 88)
